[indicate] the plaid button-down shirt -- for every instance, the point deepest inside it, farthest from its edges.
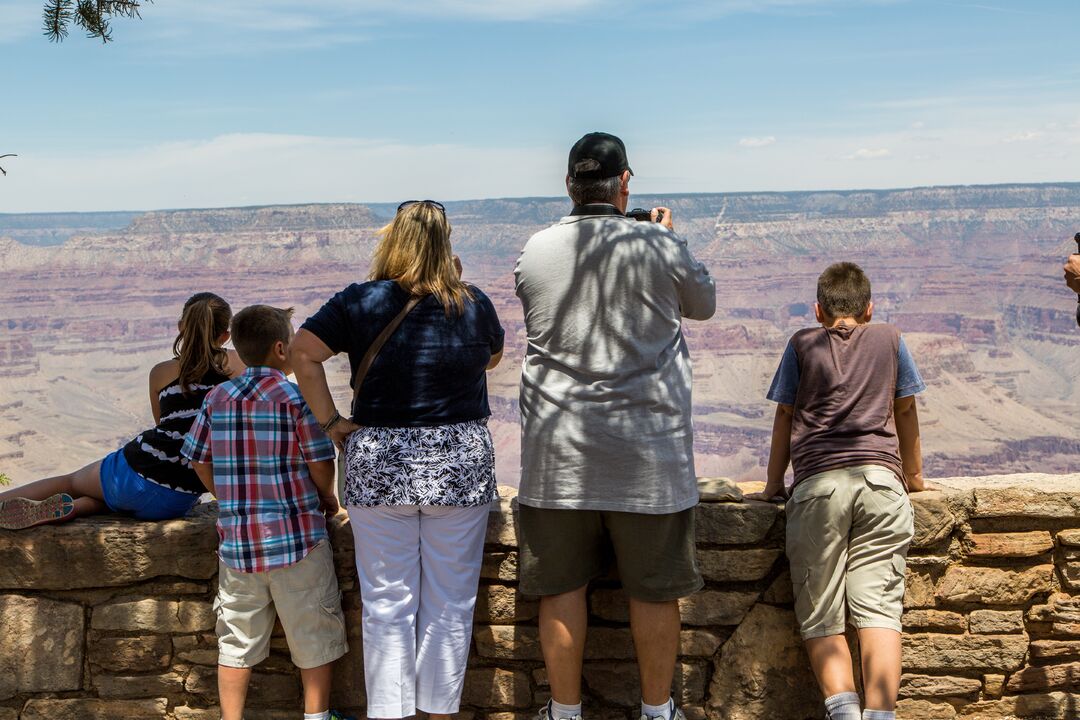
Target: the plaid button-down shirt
(259, 434)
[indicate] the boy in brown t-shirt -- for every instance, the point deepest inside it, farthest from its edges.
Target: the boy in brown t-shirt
(846, 419)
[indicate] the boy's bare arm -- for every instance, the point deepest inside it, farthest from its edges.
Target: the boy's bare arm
(907, 432)
(779, 454)
(205, 471)
(322, 474)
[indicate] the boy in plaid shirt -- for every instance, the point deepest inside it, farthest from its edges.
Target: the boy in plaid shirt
(257, 447)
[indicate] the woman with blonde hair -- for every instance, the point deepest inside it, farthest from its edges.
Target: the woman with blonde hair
(420, 462)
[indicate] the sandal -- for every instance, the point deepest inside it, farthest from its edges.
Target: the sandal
(21, 513)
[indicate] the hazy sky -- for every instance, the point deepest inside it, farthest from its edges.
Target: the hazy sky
(240, 102)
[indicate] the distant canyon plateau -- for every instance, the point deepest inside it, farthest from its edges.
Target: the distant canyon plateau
(970, 274)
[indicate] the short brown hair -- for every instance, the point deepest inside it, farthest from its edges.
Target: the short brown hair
(256, 328)
(843, 290)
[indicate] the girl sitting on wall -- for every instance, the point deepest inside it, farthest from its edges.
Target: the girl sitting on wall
(147, 478)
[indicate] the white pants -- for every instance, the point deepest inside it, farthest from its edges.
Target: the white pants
(419, 568)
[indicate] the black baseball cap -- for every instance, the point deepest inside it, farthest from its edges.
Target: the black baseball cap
(596, 156)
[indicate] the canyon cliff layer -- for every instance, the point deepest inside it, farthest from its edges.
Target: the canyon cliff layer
(971, 275)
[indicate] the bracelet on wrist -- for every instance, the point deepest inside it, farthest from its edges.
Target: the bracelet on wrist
(334, 420)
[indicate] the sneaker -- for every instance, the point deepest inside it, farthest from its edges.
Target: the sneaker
(675, 714)
(335, 715)
(545, 713)
(19, 513)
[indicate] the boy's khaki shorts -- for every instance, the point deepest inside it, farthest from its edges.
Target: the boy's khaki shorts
(304, 595)
(848, 532)
(563, 550)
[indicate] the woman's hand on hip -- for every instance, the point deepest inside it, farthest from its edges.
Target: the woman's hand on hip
(341, 430)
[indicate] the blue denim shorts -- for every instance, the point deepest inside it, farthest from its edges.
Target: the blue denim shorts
(126, 491)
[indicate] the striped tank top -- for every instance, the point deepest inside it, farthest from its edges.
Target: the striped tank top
(155, 454)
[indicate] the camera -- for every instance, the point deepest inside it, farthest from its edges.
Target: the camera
(642, 214)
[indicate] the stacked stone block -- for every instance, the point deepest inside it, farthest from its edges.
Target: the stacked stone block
(111, 618)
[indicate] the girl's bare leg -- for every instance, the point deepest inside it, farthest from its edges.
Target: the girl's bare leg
(84, 485)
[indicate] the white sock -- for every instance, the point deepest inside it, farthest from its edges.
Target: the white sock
(843, 706)
(662, 711)
(878, 715)
(564, 712)
(325, 715)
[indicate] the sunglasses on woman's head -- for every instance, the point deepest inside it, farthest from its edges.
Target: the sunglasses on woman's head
(437, 205)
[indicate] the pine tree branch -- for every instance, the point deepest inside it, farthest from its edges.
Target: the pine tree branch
(55, 19)
(94, 16)
(88, 16)
(121, 8)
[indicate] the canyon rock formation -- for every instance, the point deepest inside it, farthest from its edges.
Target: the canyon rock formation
(971, 274)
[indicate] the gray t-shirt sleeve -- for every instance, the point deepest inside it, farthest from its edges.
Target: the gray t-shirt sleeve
(785, 384)
(697, 291)
(908, 380)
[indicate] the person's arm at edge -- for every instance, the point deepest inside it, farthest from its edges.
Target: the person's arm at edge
(1072, 273)
(779, 455)
(322, 474)
(205, 471)
(318, 452)
(160, 375)
(495, 329)
(906, 414)
(307, 353)
(696, 288)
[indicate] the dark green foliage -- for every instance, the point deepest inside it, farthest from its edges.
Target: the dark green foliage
(93, 16)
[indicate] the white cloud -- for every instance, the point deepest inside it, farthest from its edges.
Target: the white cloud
(491, 9)
(756, 142)
(1026, 136)
(19, 19)
(261, 168)
(713, 8)
(290, 15)
(996, 8)
(869, 154)
(311, 23)
(321, 23)
(925, 103)
(918, 125)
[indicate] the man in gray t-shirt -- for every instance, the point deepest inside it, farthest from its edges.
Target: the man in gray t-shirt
(607, 462)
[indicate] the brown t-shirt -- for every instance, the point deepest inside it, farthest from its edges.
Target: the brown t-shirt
(843, 407)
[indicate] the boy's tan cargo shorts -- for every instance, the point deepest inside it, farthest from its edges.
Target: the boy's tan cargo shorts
(848, 532)
(306, 598)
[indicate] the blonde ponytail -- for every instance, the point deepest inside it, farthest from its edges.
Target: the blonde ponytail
(205, 319)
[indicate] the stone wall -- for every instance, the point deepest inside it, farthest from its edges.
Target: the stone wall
(110, 618)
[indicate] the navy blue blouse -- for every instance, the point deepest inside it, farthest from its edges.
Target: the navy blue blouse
(432, 370)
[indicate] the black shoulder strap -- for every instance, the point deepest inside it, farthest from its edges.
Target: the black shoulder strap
(376, 346)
